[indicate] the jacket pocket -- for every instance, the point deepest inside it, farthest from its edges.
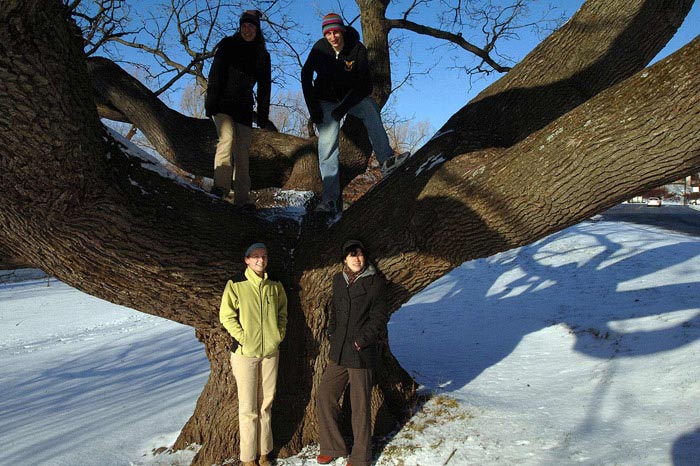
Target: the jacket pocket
(368, 356)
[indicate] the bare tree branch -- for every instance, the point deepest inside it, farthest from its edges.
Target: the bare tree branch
(456, 39)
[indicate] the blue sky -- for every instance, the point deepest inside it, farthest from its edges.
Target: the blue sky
(437, 95)
(443, 92)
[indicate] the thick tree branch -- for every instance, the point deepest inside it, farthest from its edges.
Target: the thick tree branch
(277, 160)
(601, 45)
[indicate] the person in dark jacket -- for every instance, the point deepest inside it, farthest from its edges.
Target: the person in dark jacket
(342, 86)
(358, 319)
(240, 61)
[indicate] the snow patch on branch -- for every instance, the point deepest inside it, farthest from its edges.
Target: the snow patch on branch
(431, 163)
(149, 161)
(552, 136)
(441, 134)
(293, 205)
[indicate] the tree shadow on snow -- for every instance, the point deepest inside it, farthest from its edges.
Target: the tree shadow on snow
(474, 317)
(686, 450)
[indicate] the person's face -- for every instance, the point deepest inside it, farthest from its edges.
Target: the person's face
(257, 261)
(248, 32)
(355, 260)
(335, 38)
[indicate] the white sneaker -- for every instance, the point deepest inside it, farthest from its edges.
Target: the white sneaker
(394, 162)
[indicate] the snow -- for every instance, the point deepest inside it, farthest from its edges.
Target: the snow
(579, 349)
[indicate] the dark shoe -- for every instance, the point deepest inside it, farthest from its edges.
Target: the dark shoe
(329, 207)
(394, 162)
(324, 459)
(218, 192)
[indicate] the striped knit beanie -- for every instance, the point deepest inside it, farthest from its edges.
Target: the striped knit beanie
(332, 22)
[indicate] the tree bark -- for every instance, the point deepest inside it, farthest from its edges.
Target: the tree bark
(77, 205)
(375, 34)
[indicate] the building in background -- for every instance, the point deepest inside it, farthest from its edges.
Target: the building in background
(684, 191)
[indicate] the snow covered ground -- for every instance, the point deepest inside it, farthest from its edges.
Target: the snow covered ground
(581, 349)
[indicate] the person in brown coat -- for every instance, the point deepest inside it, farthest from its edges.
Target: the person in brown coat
(357, 321)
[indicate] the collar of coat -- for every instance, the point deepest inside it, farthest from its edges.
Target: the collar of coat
(253, 277)
(369, 270)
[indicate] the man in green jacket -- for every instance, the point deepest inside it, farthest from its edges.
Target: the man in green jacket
(254, 311)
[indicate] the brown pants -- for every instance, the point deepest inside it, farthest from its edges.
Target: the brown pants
(232, 156)
(333, 382)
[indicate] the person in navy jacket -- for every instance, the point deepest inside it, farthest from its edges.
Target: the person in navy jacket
(240, 62)
(342, 85)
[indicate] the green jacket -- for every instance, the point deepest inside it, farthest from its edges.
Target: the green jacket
(254, 311)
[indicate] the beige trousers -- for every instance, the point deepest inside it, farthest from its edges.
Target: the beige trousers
(232, 157)
(256, 379)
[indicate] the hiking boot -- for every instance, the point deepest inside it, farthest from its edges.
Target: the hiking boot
(324, 459)
(218, 192)
(249, 463)
(264, 461)
(394, 162)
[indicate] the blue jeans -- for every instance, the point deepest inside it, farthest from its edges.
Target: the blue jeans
(366, 110)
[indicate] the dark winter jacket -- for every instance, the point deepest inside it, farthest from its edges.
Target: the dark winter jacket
(237, 66)
(345, 79)
(359, 314)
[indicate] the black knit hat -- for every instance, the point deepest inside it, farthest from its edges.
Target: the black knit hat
(252, 17)
(350, 246)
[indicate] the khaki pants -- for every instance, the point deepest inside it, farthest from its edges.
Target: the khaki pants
(232, 156)
(256, 379)
(333, 382)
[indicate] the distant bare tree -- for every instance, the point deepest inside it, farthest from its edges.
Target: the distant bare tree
(192, 100)
(405, 134)
(289, 114)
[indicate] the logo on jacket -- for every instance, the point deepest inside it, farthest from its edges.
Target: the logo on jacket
(348, 65)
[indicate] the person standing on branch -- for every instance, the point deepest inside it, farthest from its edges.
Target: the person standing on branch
(342, 86)
(254, 312)
(357, 321)
(240, 61)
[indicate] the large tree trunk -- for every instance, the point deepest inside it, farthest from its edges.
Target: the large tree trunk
(75, 204)
(375, 34)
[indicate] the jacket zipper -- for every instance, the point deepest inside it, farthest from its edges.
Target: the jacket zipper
(262, 325)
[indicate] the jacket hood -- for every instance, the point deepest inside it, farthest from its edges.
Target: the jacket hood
(352, 37)
(369, 271)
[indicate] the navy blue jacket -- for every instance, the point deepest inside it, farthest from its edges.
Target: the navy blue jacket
(237, 66)
(345, 79)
